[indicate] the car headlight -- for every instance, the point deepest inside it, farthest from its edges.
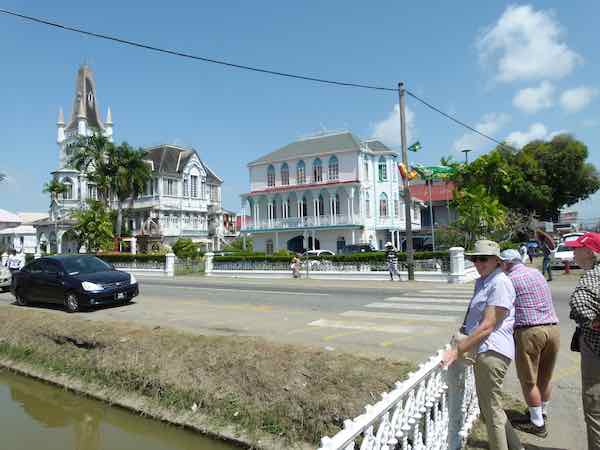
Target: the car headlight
(91, 287)
(132, 279)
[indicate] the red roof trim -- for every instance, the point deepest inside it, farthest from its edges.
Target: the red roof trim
(439, 191)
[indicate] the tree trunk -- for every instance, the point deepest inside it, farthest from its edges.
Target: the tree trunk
(119, 218)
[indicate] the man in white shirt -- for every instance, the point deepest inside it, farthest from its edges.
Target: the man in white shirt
(14, 262)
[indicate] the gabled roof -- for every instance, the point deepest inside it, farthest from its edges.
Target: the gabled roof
(378, 146)
(313, 145)
(169, 158)
(29, 217)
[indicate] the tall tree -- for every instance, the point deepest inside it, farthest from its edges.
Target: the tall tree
(132, 176)
(55, 188)
(541, 178)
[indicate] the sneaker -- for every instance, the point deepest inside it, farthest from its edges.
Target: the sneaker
(531, 428)
(526, 417)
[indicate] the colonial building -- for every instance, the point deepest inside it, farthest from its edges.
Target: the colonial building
(180, 200)
(326, 192)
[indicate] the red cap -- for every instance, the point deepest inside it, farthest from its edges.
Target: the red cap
(589, 240)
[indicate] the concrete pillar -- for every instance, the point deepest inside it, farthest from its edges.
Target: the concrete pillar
(170, 264)
(208, 262)
(276, 241)
(353, 237)
(457, 265)
(133, 246)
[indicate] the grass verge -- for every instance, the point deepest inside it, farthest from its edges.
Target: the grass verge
(291, 394)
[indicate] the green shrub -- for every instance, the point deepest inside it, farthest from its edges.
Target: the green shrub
(184, 248)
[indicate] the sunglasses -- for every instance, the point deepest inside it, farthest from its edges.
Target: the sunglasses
(480, 258)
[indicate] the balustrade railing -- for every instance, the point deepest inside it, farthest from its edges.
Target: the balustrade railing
(302, 222)
(433, 409)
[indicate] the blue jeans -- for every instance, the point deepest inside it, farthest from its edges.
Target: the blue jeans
(547, 267)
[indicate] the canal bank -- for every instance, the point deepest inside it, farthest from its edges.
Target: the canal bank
(246, 390)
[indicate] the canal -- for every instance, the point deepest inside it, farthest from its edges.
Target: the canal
(36, 415)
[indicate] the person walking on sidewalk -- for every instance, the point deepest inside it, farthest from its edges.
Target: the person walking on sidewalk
(14, 263)
(547, 245)
(537, 340)
(295, 266)
(489, 328)
(585, 311)
(392, 260)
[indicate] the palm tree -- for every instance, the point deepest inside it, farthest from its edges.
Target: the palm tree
(96, 157)
(133, 174)
(55, 188)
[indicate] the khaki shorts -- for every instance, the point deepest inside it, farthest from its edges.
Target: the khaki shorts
(536, 347)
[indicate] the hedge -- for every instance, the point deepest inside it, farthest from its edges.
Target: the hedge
(128, 257)
(356, 257)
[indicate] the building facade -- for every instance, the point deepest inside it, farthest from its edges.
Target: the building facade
(325, 192)
(180, 201)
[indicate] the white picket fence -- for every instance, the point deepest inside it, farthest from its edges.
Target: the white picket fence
(433, 409)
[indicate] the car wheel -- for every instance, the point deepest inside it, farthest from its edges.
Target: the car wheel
(72, 303)
(21, 300)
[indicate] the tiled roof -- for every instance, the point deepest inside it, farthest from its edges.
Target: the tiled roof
(7, 216)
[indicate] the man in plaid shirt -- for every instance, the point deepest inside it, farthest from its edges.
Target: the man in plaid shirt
(537, 340)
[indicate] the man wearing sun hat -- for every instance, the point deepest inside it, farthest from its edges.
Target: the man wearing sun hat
(585, 311)
(489, 328)
(537, 340)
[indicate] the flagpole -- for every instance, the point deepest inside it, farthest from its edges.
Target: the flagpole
(407, 196)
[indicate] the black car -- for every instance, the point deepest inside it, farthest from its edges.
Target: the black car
(76, 281)
(357, 248)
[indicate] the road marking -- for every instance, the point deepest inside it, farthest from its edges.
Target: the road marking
(365, 326)
(399, 316)
(251, 291)
(425, 307)
(426, 300)
(448, 292)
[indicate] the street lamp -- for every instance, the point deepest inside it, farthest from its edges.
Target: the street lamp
(466, 152)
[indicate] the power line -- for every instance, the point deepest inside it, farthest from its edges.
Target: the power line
(244, 67)
(198, 58)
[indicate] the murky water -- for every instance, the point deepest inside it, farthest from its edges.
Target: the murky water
(35, 415)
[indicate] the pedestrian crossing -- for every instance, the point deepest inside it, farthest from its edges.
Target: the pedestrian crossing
(410, 312)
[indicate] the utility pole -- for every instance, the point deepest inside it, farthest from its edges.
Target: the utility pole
(407, 198)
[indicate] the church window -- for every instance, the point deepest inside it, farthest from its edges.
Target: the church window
(383, 205)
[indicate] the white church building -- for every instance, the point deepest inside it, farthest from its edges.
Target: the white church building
(183, 198)
(326, 192)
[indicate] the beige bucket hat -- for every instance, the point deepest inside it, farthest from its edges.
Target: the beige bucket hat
(485, 247)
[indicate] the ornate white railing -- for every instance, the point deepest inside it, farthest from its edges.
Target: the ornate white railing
(433, 409)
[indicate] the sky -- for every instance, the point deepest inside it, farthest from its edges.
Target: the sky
(515, 71)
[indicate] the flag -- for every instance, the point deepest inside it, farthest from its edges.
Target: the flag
(415, 147)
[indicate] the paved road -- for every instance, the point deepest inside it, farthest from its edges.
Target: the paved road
(375, 319)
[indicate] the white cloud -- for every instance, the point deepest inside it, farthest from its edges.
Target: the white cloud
(537, 131)
(576, 99)
(534, 99)
(388, 129)
(490, 124)
(526, 44)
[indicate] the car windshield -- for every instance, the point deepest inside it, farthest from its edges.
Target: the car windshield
(84, 264)
(563, 248)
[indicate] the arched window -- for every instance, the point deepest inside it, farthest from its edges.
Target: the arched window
(321, 206)
(271, 176)
(382, 166)
(337, 204)
(317, 171)
(300, 173)
(383, 205)
(304, 207)
(367, 205)
(285, 174)
(68, 193)
(334, 168)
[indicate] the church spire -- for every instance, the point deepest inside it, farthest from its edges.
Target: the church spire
(85, 110)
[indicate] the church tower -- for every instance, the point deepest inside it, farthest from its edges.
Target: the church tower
(84, 121)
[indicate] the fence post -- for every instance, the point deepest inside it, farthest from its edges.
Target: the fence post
(456, 409)
(170, 264)
(457, 265)
(208, 262)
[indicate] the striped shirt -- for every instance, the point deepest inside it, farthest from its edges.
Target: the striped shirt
(585, 307)
(533, 305)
